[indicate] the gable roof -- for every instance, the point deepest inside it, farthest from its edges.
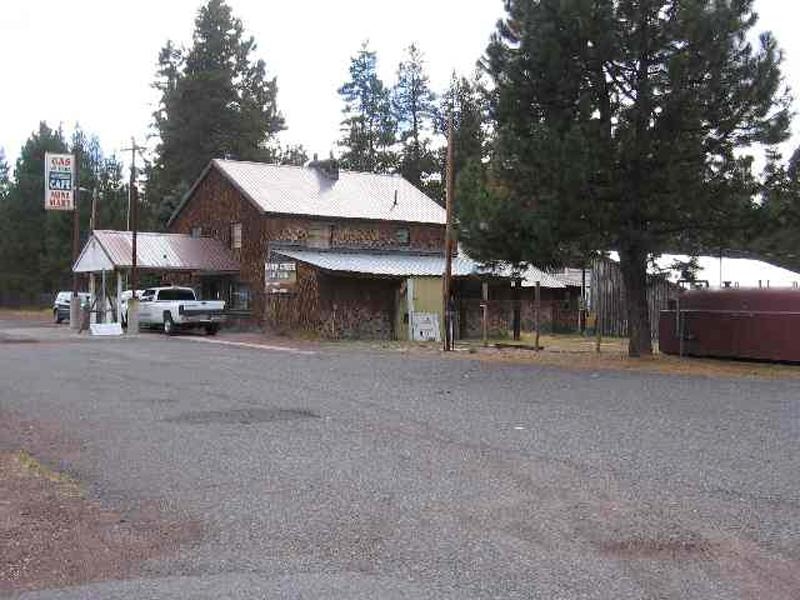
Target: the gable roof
(291, 190)
(107, 250)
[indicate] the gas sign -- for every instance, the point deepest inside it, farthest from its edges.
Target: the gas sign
(59, 181)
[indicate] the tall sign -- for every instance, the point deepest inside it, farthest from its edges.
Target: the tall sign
(59, 181)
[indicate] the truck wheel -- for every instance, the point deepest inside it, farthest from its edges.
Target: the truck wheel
(212, 329)
(169, 325)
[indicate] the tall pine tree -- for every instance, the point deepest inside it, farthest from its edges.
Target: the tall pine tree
(618, 124)
(216, 102)
(368, 127)
(414, 108)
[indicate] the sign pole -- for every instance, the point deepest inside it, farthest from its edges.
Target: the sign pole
(74, 305)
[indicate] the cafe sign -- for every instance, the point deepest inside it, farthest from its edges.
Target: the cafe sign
(59, 181)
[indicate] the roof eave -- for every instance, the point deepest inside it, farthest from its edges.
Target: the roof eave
(188, 195)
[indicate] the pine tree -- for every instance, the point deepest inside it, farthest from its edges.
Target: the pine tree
(368, 128)
(216, 102)
(5, 182)
(24, 227)
(618, 124)
(414, 108)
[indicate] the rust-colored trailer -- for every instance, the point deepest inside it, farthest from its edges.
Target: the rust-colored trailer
(762, 324)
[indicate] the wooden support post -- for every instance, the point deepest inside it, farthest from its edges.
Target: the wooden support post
(119, 297)
(516, 308)
(538, 313)
(598, 321)
(484, 312)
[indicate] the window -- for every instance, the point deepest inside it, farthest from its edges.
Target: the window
(197, 231)
(236, 235)
(176, 294)
(319, 236)
(240, 296)
(402, 236)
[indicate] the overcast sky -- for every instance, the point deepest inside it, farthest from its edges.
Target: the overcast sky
(93, 61)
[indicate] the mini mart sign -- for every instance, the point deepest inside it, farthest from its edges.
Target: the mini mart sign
(59, 181)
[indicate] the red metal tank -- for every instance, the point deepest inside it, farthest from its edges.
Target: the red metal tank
(762, 324)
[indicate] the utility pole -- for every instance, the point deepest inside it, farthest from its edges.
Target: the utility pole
(448, 236)
(133, 214)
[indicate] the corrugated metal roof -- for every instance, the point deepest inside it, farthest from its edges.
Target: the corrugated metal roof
(532, 274)
(306, 191)
(162, 251)
(399, 264)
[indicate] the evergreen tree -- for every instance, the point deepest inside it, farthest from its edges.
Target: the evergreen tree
(368, 128)
(775, 233)
(216, 102)
(414, 108)
(292, 155)
(618, 123)
(4, 180)
(466, 101)
(24, 226)
(36, 245)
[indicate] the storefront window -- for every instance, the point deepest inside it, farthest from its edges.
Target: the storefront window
(240, 296)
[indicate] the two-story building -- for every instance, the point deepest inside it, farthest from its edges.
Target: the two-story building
(329, 251)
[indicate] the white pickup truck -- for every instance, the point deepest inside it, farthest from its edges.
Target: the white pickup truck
(176, 308)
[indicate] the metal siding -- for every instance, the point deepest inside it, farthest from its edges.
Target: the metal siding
(736, 323)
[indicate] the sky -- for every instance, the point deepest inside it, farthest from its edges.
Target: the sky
(93, 61)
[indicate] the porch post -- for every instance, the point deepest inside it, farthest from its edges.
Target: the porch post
(92, 299)
(119, 296)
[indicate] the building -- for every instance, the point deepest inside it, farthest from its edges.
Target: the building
(329, 252)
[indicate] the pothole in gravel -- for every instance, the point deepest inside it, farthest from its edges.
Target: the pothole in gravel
(13, 340)
(243, 416)
(689, 548)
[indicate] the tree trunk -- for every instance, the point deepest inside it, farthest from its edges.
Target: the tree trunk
(634, 274)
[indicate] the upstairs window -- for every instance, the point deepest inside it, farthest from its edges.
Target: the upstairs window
(236, 235)
(402, 236)
(319, 236)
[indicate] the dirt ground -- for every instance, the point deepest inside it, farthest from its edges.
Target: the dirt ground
(579, 353)
(52, 534)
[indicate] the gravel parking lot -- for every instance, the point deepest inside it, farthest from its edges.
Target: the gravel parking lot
(347, 473)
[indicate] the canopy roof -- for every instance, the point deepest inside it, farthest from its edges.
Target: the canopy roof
(108, 250)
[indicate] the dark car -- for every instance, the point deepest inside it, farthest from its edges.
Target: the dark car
(61, 305)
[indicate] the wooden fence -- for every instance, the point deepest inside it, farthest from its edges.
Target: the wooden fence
(607, 286)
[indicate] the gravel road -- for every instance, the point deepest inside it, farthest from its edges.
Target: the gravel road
(349, 474)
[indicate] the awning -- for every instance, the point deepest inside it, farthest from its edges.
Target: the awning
(387, 264)
(108, 250)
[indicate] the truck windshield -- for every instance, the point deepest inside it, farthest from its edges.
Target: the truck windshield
(176, 295)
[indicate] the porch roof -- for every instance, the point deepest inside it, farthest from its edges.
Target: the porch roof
(107, 250)
(387, 264)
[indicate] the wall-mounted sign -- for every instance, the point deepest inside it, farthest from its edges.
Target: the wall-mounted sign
(280, 277)
(425, 327)
(59, 181)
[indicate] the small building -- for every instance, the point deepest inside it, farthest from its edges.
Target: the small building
(107, 258)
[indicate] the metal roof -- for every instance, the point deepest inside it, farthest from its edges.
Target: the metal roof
(398, 264)
(157, 251)
(285, 189)
(532, 274)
